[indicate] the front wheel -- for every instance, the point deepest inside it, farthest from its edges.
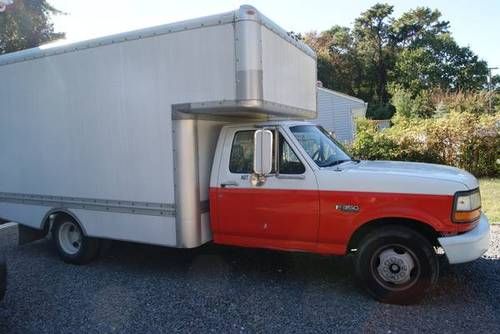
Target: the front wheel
(396, 265)
(71, 244)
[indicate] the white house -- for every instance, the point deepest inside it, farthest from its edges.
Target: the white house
(337, 112)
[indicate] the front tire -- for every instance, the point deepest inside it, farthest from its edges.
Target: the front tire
(396, 265)
(71, 244)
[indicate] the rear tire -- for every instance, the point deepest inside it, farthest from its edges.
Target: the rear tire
(71, 244)
(396, 265)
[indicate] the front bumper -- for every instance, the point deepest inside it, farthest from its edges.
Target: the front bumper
(468, 246)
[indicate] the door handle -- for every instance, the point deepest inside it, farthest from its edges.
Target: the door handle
(229, 184)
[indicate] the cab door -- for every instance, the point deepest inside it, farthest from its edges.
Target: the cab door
(282, 213)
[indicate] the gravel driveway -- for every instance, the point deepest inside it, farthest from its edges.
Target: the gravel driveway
(136, 288)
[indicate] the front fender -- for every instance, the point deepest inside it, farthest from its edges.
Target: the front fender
(403, 213)
(337, 225)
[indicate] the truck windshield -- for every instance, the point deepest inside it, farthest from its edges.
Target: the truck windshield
(320, 145)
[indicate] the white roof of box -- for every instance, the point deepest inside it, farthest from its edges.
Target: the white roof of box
(240, 14)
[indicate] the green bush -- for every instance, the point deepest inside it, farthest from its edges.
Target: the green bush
(372, 144)
(454, 128)
(463, 139)
(380, 111)
(408, 105)
(437, 102)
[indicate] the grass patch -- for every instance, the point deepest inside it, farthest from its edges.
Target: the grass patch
(490, 198)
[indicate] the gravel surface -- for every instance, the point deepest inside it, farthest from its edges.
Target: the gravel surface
(144, 289)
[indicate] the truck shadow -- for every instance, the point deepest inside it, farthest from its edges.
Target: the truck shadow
(291, 270)
(208, 259)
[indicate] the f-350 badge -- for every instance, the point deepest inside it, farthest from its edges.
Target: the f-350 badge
(347, 208)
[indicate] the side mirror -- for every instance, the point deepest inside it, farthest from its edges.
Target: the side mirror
(263, 152)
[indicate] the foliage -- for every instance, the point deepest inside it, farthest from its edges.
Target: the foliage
(439, 64)
(26, 24)
(382, 54)
(372, 144)
(437, 102)
(466, 101)
(495, 82)
(338, 66)
(380, 111)
(462, 139)
(412, 105)
(374, 40)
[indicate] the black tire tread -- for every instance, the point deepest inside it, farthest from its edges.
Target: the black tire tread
(404, 233)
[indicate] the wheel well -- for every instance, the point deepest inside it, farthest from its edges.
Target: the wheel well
(423, 228)
(53, 216)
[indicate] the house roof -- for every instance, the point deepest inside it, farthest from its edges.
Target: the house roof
(342, 95)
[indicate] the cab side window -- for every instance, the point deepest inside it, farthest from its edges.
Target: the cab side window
(241, 158)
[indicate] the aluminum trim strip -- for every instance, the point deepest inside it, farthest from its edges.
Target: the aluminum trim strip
(91, 204)
(141, 208)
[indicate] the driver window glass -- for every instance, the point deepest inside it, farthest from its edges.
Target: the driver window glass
(241, 158)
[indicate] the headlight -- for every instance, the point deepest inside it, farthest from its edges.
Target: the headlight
(467, 206)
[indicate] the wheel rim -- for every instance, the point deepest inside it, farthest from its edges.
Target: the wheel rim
(395, 267)
(70, 238)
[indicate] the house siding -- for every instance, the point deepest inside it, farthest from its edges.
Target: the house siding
(335, 113)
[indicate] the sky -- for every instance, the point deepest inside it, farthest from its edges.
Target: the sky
(473, 23)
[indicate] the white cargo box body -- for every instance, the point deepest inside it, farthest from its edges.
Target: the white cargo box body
(120, 131)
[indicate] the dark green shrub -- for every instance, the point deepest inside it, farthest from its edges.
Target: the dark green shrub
(462, 139)
(380, 111)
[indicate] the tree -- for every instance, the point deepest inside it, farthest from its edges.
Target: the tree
(495, 82)
(374, 41)
(26, 24)
(338, 65)
(442, 64)
(382, 54)
(415, 27)
(429, 57)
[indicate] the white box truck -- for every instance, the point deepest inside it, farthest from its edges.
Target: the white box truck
(194, 132)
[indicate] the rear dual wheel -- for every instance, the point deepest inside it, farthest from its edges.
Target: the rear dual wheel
(396, 265)
(71, 244)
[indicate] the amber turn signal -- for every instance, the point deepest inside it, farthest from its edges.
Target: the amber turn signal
(466, 216)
